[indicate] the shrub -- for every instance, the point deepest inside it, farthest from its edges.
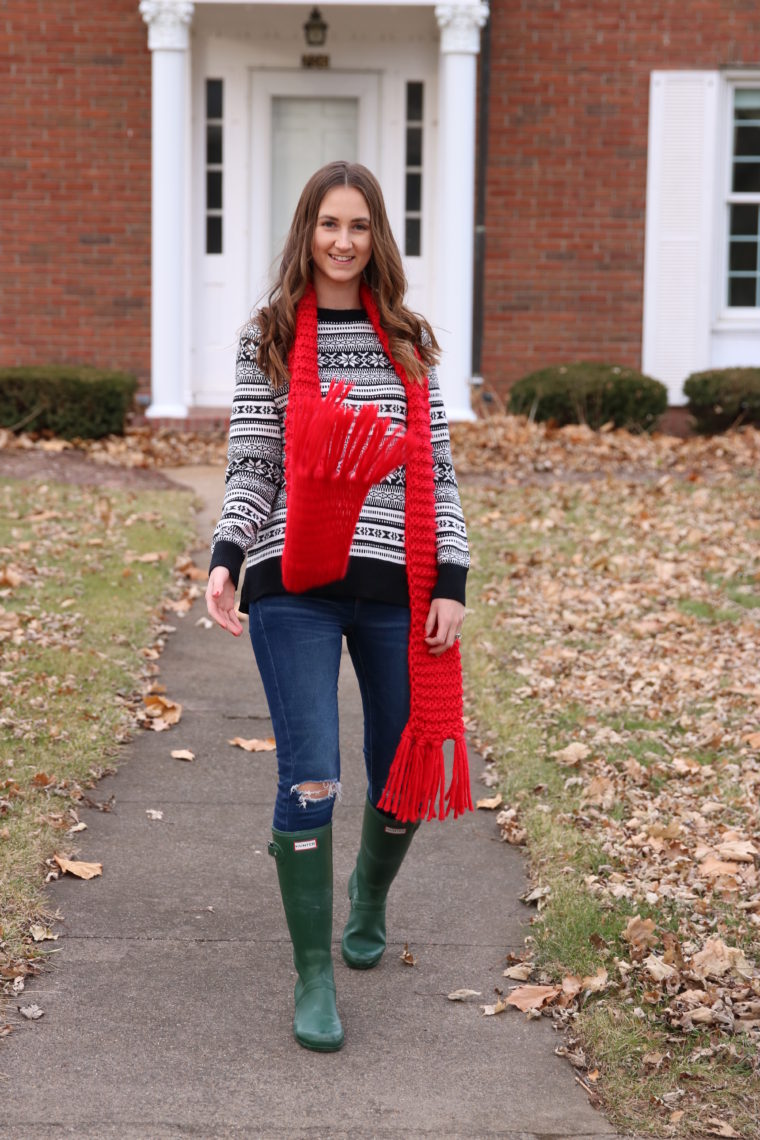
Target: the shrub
(590, 393)
(68, 400)
(724, 396)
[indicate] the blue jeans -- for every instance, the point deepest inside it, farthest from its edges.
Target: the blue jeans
(297, 642)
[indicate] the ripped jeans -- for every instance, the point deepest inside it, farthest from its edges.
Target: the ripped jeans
(297, 641)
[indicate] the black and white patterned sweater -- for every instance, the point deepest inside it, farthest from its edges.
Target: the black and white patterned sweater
(252, 525)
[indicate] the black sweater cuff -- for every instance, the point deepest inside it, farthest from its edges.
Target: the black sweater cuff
(452, 582)
(228, 554)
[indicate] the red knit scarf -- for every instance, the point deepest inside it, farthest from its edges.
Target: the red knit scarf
(332, 456)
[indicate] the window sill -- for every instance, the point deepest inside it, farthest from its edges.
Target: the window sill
(738, 320)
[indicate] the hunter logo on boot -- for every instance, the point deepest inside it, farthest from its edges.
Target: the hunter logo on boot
(395, 830)
(304, 844)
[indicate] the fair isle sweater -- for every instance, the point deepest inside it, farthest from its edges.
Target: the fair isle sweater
(252, 524)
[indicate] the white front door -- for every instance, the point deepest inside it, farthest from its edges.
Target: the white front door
(300, 121)
(306, 133)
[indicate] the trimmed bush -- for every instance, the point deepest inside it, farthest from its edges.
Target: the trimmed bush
(71, 401)
(722, 397)
(590, 393)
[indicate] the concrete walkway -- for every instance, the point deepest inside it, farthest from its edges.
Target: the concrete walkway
(168, 1011)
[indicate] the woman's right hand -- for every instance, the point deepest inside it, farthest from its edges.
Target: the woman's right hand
(220, 600)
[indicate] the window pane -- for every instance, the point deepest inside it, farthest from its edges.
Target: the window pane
(744, 220)
(747, 177)
(414, 102)
(747, 140)
(747, 103)
(213, 98)
(213, 234)
(213, 145)
(741, 291)
(414, 192)
(413, 239)
(414, 146)
(213, 189)
(743, 255)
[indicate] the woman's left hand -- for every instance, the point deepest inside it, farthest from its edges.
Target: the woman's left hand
(443, 625)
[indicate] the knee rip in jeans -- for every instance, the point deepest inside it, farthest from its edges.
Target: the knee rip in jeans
(313, 791)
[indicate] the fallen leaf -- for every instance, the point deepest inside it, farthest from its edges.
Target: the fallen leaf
(753, 739)
(490, 802)
(533, 997)
(536, 895)
(162, 713)
(463, 995)
(571, 755)
(407, 957)
(711, 868)
(721, 1128)
(640, 932)
(652, 1060)
(42, 933)
(266, 745)
(741, 850)
(81, 870)
(716, 959)
(521, 972)
(658, 969)
(182, 754)
(594, 983)
(30, 1012)
(5, 1030)
(491, 1010)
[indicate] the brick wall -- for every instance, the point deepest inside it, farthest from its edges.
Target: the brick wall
(567, 156)
(75, 184)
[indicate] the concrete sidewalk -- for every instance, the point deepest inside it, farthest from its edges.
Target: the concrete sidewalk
(168, 1010)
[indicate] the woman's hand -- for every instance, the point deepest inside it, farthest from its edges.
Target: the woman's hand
(443, 625)
(220, 600)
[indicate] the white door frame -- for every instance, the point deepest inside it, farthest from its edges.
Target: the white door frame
(267, 85)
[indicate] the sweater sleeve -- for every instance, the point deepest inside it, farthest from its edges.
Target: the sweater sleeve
(451, 535)
(254, 460)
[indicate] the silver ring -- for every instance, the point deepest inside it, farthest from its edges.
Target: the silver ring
(458, 637)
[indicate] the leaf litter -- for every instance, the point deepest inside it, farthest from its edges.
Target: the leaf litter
(625, 606)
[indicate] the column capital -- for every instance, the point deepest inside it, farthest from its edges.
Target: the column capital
(460, 26)
(168, 23)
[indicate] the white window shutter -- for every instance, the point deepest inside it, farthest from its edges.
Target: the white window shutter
(681, 212)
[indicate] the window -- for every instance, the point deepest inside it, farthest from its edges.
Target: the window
(413, 170)
(214, 154)
(744, 201)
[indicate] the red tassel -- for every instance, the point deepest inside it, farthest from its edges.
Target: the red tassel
(398, 777)
(459, 796)
(333, 456)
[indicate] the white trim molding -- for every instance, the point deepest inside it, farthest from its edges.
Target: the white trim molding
(168, 23)
(460, 26)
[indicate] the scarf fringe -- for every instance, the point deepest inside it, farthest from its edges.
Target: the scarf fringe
(417, 779)
(332, 442)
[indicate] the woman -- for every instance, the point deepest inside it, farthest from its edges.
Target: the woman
(347, 529)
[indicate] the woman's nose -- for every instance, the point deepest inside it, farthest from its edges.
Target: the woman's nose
(343, 239)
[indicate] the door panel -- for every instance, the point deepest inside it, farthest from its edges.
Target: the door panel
(306, 133)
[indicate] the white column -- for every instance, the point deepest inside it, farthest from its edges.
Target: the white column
(169, 41)
(460, 26)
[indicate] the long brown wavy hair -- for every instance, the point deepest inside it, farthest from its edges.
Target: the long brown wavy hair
(411, 338)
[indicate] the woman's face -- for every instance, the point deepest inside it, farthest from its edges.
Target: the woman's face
(342, 244)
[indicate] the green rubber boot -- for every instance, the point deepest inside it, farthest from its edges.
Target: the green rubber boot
(304, 869)
(383, 846)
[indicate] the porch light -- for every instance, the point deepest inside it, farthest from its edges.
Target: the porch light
(315, 29)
